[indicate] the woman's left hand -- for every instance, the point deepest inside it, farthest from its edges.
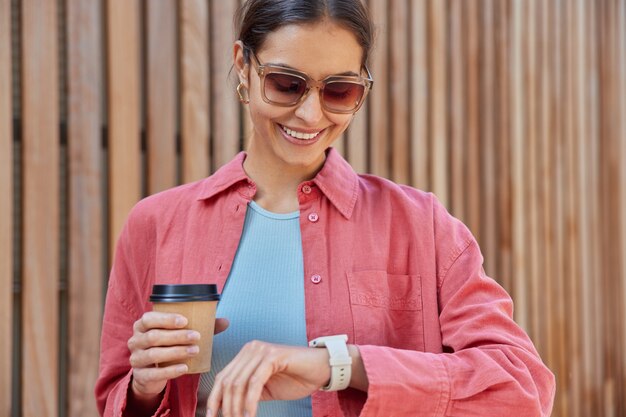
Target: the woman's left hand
(264, 371)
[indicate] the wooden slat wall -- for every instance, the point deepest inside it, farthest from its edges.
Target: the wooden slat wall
(512, 112)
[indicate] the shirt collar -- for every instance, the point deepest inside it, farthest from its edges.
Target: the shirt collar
(337, 180)
(224, 178)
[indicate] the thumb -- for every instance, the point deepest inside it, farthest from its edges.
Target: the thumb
(221, 324)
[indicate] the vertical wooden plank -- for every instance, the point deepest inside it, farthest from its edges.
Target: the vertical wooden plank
(457, 110)
(6, 210)
(544, 202)
(488, 195)
(530, 193)
(619, 41)
(472, 122)
(379, 99)
(194, 74)
(419, 113)
(123, 111)
(225, 115)
(621, 36)
(161, 94)
(605, 286)
(610, 117)
(503, 140)
(40, 233)
(399, 83)
(583, 208)
(438, 100)
(571, 233)
(589, 152)
(556, 216)
(520, 264)
(86, 237)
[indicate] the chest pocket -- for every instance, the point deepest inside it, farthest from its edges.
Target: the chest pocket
(387, 309)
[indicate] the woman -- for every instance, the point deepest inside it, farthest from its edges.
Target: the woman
(303, 248)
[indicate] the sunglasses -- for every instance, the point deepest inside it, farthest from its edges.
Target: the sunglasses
(287, 87)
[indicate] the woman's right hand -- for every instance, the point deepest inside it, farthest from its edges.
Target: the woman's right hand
(158, 338)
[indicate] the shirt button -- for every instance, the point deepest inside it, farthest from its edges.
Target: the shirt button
(306, 189)
(313, 217)
(316, 279)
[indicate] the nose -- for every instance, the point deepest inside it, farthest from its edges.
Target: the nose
(310, 109)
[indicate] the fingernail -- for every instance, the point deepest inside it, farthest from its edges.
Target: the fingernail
(246, 414)
(192, 335)
(182, 368)
(181, 321)
(193, 349)
(209, 413)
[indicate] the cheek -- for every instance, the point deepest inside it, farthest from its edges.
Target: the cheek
(262, 112)
(342, 121)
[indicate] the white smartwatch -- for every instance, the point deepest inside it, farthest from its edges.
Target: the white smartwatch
(340, 360)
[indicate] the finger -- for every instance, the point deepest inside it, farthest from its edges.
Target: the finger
(159, 320)
(221, 324)
(220, 396)
(214, 402)
(256, 383)
(238, 385)
(159, 337)
(149, 357)
(240, 370)
(247, 377)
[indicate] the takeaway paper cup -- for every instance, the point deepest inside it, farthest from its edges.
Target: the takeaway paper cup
(197, 302)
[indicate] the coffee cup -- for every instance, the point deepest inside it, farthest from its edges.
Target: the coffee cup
(197, 302)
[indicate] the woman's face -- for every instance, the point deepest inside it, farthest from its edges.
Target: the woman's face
(295, 138)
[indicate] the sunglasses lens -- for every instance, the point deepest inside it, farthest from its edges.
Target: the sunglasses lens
(284, 88)
(342, 95)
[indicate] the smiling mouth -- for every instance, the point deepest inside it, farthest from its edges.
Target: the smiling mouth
(299, 135)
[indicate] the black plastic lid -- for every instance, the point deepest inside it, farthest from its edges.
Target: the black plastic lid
(177, 293)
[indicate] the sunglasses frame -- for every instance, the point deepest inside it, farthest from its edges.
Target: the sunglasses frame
(265, 69)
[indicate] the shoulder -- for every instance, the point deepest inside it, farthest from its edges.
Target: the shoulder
(378, 190)
(165, 208)
(414, 210)
(164, 202)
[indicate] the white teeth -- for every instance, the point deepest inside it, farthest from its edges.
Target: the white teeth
(299, 135)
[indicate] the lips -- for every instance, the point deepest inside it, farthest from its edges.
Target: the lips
(300, 135)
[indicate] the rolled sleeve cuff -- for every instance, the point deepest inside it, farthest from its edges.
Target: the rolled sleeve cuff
(122, 400)
(404, 383)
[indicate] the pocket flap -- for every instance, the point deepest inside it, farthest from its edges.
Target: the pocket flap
(383, 290)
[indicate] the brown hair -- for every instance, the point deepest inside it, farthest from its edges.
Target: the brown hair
(255, 19)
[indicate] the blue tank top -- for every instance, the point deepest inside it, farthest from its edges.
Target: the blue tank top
(263, 299)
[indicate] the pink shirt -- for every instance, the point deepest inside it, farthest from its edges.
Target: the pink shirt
(383, 263)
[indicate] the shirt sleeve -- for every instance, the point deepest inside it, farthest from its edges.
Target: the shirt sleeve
(124, 305)
(488, 366)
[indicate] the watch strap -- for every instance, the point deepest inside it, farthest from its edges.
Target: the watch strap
(340, 361)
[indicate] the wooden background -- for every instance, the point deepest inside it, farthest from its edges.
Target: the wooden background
(512, 111)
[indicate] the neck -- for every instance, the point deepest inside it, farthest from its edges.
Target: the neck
(277, 186)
